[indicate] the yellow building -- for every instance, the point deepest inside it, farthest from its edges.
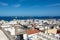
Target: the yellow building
(49, 31)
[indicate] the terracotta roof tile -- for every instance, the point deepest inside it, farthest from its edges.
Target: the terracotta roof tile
(32, 31)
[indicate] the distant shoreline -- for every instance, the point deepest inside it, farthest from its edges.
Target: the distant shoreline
(28, 17)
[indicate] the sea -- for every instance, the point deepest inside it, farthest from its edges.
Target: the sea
(8, 18)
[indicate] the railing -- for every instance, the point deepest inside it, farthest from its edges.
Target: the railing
(47, 37)
(42, 36)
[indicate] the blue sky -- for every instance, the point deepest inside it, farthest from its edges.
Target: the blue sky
(29, 7)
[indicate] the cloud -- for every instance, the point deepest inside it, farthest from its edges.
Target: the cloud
(3, 4)
(57, 4)
(17, 5)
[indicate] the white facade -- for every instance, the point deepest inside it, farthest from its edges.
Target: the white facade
(12, 22)
(11, 30)
(25, 36)
(5, 25)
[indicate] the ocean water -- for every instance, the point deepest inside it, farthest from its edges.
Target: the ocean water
(8, 18)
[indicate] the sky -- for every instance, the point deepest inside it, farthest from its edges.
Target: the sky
(29, 7)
